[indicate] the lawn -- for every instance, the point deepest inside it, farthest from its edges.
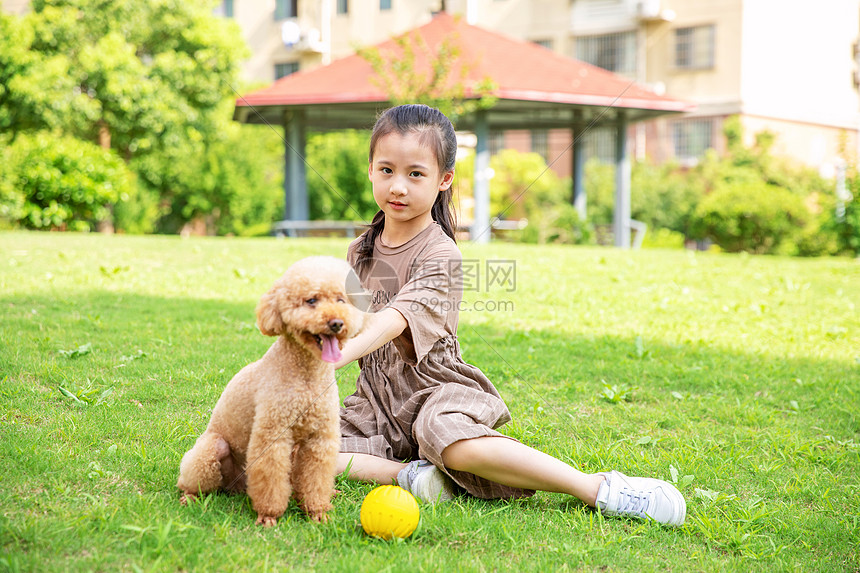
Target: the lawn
(737, 377)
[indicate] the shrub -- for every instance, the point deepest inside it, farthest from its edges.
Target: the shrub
(849, 231)
(846, 230)
(850, 237)
(599, 191)
(552, 219)
(519, 177)
(816, 239)
(59, 182)
(664, 197)
(756, 218)
(661, 196)
(11, 198)
(248, 180)
(523, 187)
(338, 186)
(137, 211)
(663, 239)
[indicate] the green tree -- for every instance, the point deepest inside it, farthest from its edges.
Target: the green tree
(15, 64)
(147, 78)
(36, 91)
(149, 73)
(233, 186)
(415, 73)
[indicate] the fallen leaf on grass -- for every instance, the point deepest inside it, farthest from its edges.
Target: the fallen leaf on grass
(68, 394)
(82, 350)
(140, 354)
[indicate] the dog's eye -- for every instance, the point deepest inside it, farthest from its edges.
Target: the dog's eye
(311, 301)
(341, 300)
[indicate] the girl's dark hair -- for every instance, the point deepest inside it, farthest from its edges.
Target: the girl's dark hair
(436, 132)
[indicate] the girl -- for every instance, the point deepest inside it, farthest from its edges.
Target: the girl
(415, 397)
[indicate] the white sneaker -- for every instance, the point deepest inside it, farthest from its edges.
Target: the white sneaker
(641, 497)
(426, 482)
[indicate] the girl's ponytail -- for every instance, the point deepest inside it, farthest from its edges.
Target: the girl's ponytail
(365, 249)
(443, 213)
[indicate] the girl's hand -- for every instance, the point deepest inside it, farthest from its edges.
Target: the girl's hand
(379, 328)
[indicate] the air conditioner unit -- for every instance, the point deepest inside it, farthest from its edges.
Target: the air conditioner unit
(302, 40)
(311, 41)
(291, 33)
(652, 11)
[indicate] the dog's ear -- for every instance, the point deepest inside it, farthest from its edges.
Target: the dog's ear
(268, 316)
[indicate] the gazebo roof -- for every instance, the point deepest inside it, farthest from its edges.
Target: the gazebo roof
(536, 87)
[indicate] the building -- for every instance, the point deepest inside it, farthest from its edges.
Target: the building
(791, 68)
(286, 36)
(787, 68)
(15, 6)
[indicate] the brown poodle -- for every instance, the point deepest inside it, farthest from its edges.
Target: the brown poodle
(277, 421)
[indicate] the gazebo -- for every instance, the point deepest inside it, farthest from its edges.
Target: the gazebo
(535, 88)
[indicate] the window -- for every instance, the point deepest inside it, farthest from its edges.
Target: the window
(384, 5)
(544, 43)
(613, 52)
(694, 48)
(285, 69)
(540, 143)
(691, 137)
(286, 9)
(224, 9)
(496, 141)
(600, 144)
(343, 6)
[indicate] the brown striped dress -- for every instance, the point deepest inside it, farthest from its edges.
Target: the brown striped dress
(415, 395)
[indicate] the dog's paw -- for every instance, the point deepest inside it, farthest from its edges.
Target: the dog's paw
(187, 498)
(318, 517)
(267, 520)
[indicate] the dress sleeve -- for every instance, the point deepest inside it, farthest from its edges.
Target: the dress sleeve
(429, 301)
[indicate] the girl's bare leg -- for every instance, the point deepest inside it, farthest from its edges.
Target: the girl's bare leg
(514, 464)
(364, 467)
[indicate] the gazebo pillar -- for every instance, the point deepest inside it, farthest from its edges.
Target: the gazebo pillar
(578, 197)
(621, 214)
(480, 231)
(295, 181)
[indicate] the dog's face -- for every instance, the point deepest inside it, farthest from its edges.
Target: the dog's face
(311, 303)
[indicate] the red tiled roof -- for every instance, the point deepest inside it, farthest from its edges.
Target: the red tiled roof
(521, 71)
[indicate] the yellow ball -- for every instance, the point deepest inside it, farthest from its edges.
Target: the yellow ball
(389, 511)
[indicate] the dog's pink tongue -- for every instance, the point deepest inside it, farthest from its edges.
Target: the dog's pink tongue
(330, 350)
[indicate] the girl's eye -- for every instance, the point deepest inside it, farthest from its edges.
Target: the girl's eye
(386, 170)
(416, 174)
(311, 301)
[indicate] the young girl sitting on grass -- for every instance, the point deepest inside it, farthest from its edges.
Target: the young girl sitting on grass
(415, 397)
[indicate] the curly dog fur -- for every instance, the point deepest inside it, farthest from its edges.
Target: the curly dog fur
(275, 430)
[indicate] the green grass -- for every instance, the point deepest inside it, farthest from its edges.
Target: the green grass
(736, 376)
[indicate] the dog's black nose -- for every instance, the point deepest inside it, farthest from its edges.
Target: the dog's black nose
(335, 324)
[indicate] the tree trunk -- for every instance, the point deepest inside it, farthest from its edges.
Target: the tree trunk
(104, 135)
(105, 226)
